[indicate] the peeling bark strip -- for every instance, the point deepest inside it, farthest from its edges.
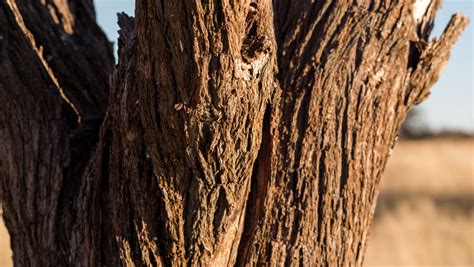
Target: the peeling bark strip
(236, 132)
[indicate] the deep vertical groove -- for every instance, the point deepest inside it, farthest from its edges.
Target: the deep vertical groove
(258, 190)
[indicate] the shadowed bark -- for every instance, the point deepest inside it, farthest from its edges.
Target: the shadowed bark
(229, 133)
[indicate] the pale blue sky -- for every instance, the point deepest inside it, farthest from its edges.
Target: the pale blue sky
(450, 105)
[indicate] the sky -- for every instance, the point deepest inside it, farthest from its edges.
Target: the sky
(451, 103)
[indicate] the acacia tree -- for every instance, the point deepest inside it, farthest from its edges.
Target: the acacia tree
(229, 133)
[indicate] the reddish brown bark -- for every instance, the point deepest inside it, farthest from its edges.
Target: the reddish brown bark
(236, 133)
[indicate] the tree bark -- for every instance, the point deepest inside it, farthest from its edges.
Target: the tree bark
(229, 133)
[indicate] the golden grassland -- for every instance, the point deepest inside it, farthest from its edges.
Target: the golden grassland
(425, 215)
(5, 253)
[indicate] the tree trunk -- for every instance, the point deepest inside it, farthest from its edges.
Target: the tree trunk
(233, 132)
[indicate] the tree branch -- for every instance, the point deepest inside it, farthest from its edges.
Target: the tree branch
(55, 64)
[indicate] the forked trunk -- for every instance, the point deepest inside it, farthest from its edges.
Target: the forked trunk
(236, 132)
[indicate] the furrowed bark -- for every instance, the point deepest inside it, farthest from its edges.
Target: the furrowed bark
(72, 49)
(32, 132)
(186, 128)
(236, 132)
(349, 73)
(55, 65)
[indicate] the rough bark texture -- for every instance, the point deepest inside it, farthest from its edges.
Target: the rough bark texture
(54, 64)
(348, 73)
(236, 132)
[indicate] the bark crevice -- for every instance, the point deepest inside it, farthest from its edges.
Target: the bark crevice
(258, 190)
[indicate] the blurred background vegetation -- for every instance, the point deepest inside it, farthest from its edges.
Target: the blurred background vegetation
(425, 214)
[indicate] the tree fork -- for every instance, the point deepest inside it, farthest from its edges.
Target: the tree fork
(229, 133)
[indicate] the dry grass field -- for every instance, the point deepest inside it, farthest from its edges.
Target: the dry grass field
(5, 253)
(425, 215)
